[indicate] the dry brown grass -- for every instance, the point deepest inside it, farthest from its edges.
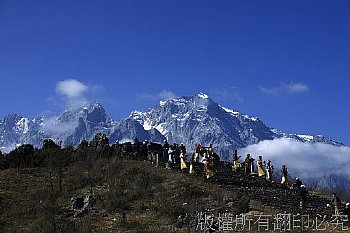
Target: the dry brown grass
(131, 196)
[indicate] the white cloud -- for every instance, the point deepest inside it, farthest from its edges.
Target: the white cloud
(227, 94)
(59, 128)
(74, 91)
(163, 95)
(71, 88)
(291, 88)
(310, 161)
(297, 88)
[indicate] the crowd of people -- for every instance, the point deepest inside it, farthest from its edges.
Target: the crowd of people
(264, 169)
(176, 157)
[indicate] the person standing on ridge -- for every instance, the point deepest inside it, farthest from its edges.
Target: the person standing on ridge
(176, 153)
(303, 196)
(208, 165)
(336, 203)
(269, 170)
(347, 210)
(284, 172)
(247, 164)
(297, 184)
(171, 159)
(260, 165)
(182, 148)
(236, 164)
(193, 163)
(183, 165)
(252, 170)
(165, 156)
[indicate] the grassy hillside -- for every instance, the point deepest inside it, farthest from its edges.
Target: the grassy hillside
(133, 196)
(129, 195)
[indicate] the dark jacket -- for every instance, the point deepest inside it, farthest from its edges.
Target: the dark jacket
(336, 201)
(303, 193)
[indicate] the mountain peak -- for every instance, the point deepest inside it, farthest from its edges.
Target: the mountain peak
(93, 112)
(190, 119)
(96, 105)
(90, 106)
(96, 113)
(184, 99)
(202, 95)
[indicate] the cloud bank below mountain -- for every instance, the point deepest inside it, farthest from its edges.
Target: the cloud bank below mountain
(306, 160)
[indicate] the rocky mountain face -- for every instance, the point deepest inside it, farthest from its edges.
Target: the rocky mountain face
(188, 120)
(198, 119)
(308, 138)
(70, 128)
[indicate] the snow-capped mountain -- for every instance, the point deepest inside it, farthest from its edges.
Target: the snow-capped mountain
(188, 120)
(70, 127)
(198, 119)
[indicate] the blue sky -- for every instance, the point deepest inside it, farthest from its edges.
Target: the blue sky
(284, 61)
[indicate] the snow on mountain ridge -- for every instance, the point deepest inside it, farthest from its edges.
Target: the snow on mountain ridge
(188, 119)
(236, 114)
(306, 137)
(202, 95)
(22, 125)
(70, 127)
(198, 119)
